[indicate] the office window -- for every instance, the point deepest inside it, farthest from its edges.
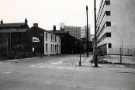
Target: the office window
(108, 23)
(107, 2)
(109, 45)
(108, 34)
(108, 13)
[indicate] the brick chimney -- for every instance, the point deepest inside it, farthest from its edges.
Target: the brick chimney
(54, 27)
(35, 24)
(1, 22)
(26, 21)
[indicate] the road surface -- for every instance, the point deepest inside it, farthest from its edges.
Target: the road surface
(62, 73)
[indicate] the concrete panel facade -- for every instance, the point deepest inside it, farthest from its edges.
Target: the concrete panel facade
(120, 23)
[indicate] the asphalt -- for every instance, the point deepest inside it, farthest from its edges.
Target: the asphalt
(63, 73)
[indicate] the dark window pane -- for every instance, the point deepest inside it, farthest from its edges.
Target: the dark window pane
(108, 23)
(109, 45)
(107, 2)
(108, 34)
(108, 13)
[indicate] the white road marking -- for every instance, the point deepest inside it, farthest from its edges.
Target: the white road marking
(59, 62)
(7, 72)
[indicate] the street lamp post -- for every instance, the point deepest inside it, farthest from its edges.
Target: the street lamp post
(80, 61)
(87, 32)
(95, 39)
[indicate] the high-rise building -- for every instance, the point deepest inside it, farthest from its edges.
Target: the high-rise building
(84, 32)
(116, 27)
(74, 31)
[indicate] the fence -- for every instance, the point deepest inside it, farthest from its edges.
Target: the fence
(122, 51)
(117, 59)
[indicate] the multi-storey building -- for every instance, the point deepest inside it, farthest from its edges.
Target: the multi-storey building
(115, 27)
(44, 42)
(74, 31)
(84, 32)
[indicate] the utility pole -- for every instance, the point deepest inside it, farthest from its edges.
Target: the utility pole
(87, 32)
(95, 39)
(121, 52)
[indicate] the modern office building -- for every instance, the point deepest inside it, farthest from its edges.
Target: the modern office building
(116, 27)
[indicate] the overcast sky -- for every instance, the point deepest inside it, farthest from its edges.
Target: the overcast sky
(47, 12)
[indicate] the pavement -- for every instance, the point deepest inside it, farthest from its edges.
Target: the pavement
(63, 73)
(116, 59)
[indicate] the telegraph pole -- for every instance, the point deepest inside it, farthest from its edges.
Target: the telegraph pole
(87, 32)
(95, 39)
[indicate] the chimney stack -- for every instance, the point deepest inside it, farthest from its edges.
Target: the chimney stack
(26, 21)
(35, 24)
(61, 28)
(1, 22)
(54, 27)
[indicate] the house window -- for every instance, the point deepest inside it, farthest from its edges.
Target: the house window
(108, 13)
(108, 23)
(55, 38)
(51, 47)
(46, 36)
(109, 45)
(46, 47)
(51, 37)
(107, 2)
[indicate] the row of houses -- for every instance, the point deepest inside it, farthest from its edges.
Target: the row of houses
(18, 40)
(44, 42)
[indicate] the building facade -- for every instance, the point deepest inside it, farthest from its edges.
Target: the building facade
(84, 32)
(69, 44)
(52, 44)
(44, 42)
(74, 31)
(14, 40)
(115, 27)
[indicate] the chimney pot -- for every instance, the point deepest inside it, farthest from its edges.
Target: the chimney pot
(1, 21)
(35, 24)
(54, 28)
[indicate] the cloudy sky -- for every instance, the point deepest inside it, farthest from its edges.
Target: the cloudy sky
(47, 12)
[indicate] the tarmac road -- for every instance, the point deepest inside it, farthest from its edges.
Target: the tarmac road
(62, 73)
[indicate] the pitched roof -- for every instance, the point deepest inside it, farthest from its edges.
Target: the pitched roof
(13, 25)
(38, 29)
